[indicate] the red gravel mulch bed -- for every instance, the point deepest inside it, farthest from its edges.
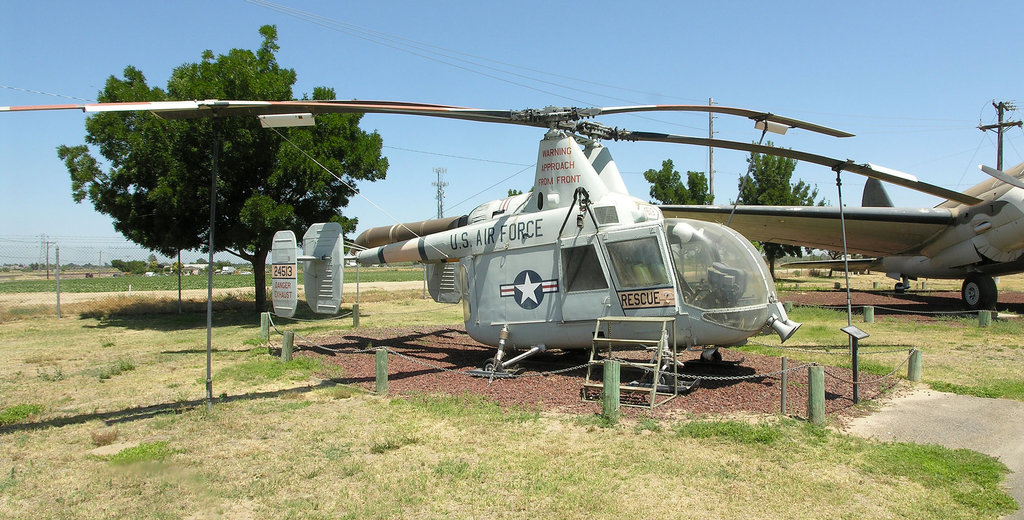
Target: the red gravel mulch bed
(434, 360)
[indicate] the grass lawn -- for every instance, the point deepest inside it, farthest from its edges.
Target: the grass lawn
(288, 443)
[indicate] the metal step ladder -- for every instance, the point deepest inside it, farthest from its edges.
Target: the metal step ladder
(654, 386)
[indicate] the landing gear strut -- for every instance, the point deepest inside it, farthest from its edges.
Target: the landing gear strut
(979, 292)
(901, 286)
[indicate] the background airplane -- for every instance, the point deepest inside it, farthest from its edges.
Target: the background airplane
(966, 239)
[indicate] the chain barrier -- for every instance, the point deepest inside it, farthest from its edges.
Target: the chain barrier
(409, 312)
(892, 309)
(872, 381)
(623, 362)
(845, 351)
(715, 378)
(329, 318)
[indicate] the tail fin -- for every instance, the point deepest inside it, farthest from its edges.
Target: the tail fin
(875, 195)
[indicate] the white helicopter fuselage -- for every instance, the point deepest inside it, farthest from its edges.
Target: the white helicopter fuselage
(545, 265)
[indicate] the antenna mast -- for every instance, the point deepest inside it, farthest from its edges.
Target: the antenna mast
(998, 127)
(440, 184)
(711, 151)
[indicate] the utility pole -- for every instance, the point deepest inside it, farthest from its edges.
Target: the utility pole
(998, 127)
(711, 152)
(440, 190)
(47, 243)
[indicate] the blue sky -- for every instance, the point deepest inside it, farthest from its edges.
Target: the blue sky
(913, 80)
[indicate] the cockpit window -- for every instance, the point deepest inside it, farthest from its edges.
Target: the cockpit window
(714, 269)
(638, 263)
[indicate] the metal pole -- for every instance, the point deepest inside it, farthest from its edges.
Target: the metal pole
(355, 308)
(179, 281)
(856, 370)
(209, 268)
(846, 269)
(785, 381)
(58, 281)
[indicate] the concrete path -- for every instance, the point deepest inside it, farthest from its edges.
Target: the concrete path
(991, 426)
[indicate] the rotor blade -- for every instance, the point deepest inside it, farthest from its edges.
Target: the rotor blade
(533, 117)
(1001, 175)
(907, 181)
(750, 114)
(220, 108)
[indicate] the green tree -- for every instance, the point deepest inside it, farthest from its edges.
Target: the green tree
(767, 183)
(157, 188)
(667, 186)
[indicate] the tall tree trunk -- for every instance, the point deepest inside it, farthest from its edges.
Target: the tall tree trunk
(771, 266)
(259, 272)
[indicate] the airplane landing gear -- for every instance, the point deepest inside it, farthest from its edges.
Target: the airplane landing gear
(901, 286)
(979, 292)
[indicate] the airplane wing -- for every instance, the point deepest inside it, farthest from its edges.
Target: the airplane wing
(869, 231)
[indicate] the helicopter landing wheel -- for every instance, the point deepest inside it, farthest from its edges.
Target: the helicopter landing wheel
(711, 356)
(491, 365)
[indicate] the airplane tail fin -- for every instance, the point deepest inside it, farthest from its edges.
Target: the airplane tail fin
(875, 195)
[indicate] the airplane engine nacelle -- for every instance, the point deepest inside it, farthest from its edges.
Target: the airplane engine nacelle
(1000, 236)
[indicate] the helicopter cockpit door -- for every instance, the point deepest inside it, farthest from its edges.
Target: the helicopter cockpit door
(585, 295)
(637, 261)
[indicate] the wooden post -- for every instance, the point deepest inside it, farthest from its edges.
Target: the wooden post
(816, 394)
(874, 285)
(610, 394)
(382, 371)
(837, 286)
(984, 318)
(265, 325)
(286, 345)
(869, 314)
(355, 315)
(785, 380)
(914, 366)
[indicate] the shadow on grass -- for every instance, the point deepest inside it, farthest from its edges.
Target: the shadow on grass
(225, 316)
(146, 412)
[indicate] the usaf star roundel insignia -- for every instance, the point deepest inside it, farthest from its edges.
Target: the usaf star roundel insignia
(528, 289)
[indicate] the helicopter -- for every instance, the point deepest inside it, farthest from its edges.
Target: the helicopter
(539, 270)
